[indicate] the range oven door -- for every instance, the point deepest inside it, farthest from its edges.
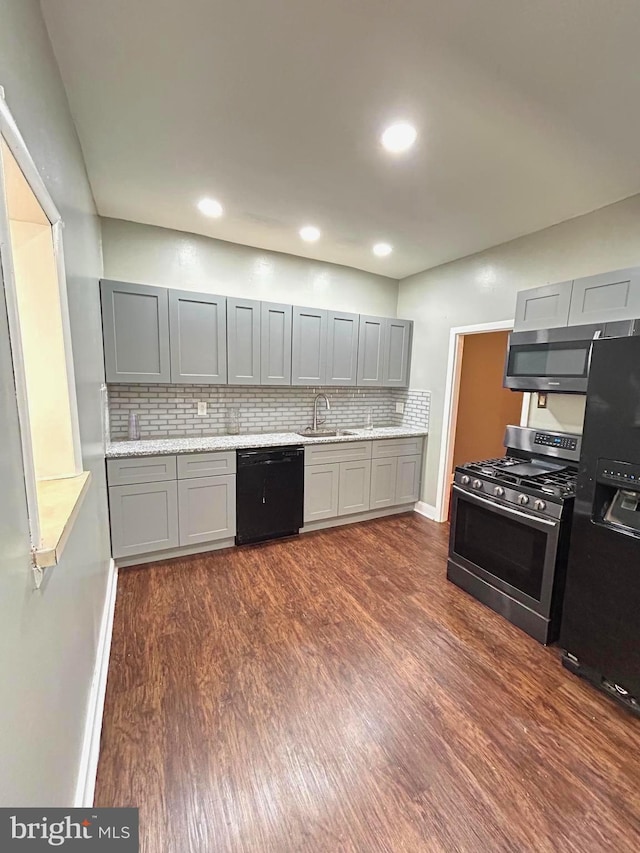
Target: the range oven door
(513, 551)
(551, 359)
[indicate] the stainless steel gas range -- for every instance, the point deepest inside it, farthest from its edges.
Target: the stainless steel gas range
(510, 527)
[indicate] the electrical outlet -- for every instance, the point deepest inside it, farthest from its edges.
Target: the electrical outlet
(399, 408)
(202, 408)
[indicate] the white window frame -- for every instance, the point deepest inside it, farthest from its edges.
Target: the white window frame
(16, 144)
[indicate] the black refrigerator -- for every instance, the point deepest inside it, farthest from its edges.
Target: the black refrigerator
(600, 632)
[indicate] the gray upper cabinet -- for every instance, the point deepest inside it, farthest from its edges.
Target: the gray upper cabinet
(243, 341)
(606, 298)
(309, 347)
(342, 348)
(135, 324)
(371, 350)
(275, 344)
(543, 307)
(397, 353)
(198, 338)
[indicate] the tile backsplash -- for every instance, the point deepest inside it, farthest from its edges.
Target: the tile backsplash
(171, 410)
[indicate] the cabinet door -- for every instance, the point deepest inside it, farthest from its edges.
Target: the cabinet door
(144, 518)
(355, 487)
(135, 328)
(606, 298)
(275, 344)
(543, 307)
(384, 473)
(342, 348)
(371, 350)
(198, 338)
(309, 349)
(321, 491)
(408, 479)
(397, 353)
(207, 509)
(243, 341)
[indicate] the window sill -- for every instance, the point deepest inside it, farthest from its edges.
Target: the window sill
(59, 502)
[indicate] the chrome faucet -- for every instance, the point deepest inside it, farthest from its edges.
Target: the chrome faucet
(316, 420)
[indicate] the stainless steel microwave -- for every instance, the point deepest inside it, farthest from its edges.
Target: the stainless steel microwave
(557, 359)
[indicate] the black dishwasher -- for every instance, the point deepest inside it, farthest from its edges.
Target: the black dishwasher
(269, 493)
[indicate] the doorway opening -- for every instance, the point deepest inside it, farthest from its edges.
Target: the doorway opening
(477, 406)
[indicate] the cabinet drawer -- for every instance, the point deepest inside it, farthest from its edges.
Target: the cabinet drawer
(206, 464)
(146, 469)
(347, 451)
(397, 447)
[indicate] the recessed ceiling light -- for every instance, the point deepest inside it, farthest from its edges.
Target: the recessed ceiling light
(382, 250)
(310, 233)
(399, 137)
(210, 207)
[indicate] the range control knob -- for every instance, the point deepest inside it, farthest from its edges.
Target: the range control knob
(540, 506)
(465, 479)
(523, 500)
(499, 491)
(477, 484)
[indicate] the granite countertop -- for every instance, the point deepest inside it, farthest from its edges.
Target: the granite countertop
(200, 444)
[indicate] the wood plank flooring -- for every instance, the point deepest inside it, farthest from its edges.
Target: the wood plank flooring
(334, 693)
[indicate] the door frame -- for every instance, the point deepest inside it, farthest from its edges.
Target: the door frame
(451, 400)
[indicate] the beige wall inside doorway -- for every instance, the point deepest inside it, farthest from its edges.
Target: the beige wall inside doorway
(484, 406)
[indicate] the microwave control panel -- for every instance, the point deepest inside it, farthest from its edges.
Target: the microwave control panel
(562, 442)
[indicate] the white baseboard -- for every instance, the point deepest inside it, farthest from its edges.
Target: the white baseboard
(95, 706)
(428, 510)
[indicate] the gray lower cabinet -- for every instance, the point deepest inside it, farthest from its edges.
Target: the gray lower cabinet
(544, 307)
(371, 351)
(321, 483)
(354, 487)
(144, 518)
(606, 298)
(275, 343)
(383, 482)
(397, 353)
(198, 326)
(342, 348)
(243, 341)
(309, 346)
(408, 479)
(135, 328)
(207, 509)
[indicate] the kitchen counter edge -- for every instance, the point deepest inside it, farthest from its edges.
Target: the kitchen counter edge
(196, 444)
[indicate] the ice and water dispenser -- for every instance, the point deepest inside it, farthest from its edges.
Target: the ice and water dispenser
(617, 496)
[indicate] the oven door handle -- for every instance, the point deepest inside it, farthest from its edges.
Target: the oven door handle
(507, 510)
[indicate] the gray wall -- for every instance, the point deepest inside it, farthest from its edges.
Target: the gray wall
(150, 255)
(48, 638)
(482, 288)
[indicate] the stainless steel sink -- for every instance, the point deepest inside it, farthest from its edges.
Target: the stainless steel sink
(325, 433)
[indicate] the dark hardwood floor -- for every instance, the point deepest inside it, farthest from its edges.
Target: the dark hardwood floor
(334, 693)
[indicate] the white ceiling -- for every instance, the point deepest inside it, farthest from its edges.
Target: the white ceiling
(527, 111)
